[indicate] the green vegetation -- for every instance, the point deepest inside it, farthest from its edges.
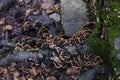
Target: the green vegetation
(102, 47)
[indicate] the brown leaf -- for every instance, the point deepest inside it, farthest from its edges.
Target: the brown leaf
(33, 71)
(2, 21)
(30, 79)
(51, 78)
(7, 27)
(5, 71)
(16, 74)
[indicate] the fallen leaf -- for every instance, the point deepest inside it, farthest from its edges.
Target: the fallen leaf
(7, 27)
(5, 71)
(2, 21)
(51, 78)
(30, 79)
(33, 71)
(16, 74)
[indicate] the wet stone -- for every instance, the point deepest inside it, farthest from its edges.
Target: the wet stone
(118, 56)
(74, 15)
(117, 44)
(89, 75)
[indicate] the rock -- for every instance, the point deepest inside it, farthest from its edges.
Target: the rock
(44, 18)
(74, 15)
(89, 75)
(117, 44)
(55, 16)
(118, 56)
(47, 4)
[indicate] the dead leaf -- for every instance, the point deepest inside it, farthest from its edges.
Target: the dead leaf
(30, 79)
(5, 71)
(7, 27)
(2, 21)
(16, 74)
(51, 78)
(33, 71)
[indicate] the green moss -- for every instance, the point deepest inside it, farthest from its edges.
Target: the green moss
(105, 48)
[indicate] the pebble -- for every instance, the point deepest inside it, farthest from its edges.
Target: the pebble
(89, 75)
(118, 56)
(47, 4)
(117, 44)
(74, 15)
(55, 16)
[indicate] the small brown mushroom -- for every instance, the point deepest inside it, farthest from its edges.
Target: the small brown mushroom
(26, 47)
(18, 45)
(42, 31)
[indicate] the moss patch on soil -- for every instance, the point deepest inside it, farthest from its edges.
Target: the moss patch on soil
(102, 47)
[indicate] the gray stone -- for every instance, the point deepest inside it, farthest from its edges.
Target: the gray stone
(89, 75)
(117, 44)
(118, 56)
(55, 16)
(74, 15)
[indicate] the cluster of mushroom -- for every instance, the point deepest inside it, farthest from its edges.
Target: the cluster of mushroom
(50, 54)
(41, 51)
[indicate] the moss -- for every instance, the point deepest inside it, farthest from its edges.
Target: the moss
(105, 48)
